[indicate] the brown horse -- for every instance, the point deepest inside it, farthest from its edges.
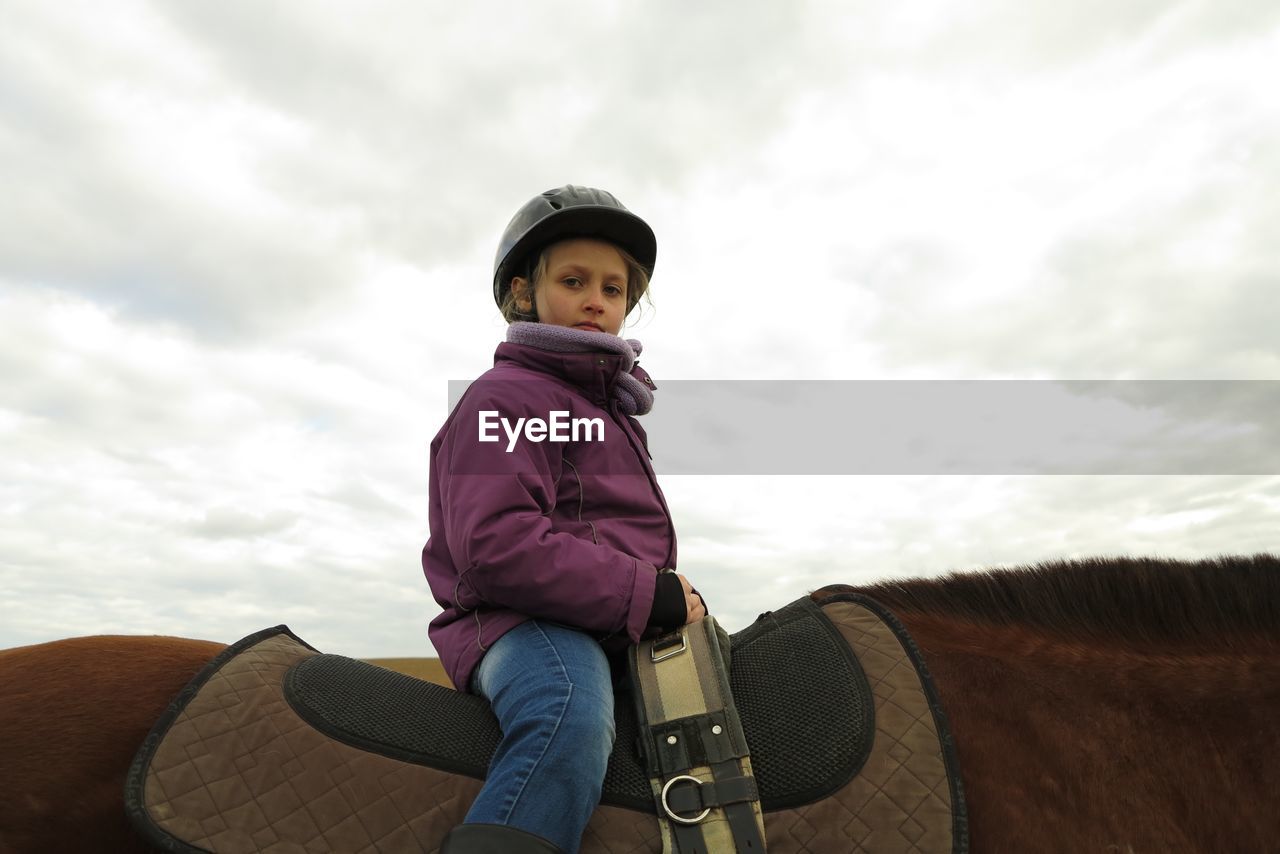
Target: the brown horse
(1106, 705)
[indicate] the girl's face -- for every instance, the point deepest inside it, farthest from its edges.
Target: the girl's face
(585, 286)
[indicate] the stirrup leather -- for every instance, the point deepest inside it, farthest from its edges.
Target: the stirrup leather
(692, 742)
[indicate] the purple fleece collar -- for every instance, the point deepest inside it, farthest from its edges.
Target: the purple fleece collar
(632, 394)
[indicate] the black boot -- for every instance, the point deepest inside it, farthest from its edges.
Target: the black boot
(494, 839)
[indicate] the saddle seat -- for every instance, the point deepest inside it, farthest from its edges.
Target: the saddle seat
(823, 736)
(806, 709)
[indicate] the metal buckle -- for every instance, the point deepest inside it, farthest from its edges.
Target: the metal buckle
(664, 644)
(666, 807)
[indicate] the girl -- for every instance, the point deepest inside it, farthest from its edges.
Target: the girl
(548, 529)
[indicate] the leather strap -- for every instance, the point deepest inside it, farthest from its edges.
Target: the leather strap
(693, 745)
(729, 790)
(745, 820)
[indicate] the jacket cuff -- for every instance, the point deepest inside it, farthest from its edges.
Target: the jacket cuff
(643, 587)
(668, 612)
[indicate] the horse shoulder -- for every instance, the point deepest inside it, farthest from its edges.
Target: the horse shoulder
(1098, 743)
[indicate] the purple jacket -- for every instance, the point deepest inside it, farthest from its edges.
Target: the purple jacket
(568, 531)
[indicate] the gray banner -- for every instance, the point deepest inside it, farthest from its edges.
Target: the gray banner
(1129, 427)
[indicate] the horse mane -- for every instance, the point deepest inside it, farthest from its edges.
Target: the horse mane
(1144, 599)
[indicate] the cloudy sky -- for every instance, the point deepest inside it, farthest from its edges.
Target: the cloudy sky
(244, 247)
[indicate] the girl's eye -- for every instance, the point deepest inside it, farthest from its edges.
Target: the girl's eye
(572, 280)
(613, 290)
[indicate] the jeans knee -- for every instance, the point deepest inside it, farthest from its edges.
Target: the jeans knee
(588, 722)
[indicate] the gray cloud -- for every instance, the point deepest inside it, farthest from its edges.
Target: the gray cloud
(243, 248)
(860, 530)
(82, 212)
(1172, 289)
(229, 523)
(1017, 37)
(424, 133)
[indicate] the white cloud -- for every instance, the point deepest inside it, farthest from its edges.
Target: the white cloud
(243, 249)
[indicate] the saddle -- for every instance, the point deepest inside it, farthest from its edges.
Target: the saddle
(275, 746)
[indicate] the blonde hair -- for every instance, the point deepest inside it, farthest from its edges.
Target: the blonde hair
(637, 285)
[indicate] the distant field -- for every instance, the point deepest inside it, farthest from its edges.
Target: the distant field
(429, 669)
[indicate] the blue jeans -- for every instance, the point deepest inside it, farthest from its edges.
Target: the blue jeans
(550, 688)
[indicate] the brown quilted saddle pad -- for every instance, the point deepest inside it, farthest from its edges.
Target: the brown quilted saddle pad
(277, 747)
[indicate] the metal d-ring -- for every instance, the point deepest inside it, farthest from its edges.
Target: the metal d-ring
(666, 807)
(667, 642)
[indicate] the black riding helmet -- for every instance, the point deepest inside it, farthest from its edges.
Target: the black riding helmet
(569, 211)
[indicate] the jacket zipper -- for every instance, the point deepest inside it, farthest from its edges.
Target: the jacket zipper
(643, 453)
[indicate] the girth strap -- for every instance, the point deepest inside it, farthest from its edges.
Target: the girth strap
(693, 745)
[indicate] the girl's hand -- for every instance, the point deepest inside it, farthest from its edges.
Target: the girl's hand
(694, 608)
